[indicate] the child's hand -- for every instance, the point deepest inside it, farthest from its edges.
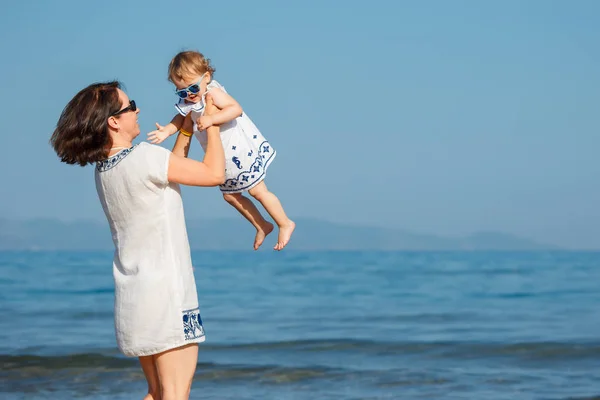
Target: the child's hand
(204, 122)
(159, 135)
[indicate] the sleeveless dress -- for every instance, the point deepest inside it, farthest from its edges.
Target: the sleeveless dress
(247, 153)
(156, 303)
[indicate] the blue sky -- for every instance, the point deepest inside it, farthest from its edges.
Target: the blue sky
(432, 116)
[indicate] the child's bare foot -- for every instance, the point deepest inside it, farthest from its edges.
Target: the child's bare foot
(285, 233)
(261, 234)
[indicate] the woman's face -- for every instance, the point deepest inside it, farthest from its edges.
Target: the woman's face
(128, 121)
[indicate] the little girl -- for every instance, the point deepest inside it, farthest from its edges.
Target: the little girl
(247, 153)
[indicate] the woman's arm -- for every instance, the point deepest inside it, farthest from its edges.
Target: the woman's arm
(208, 172)
(183, 142)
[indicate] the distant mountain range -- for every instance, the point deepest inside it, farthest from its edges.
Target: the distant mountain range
(237, 234)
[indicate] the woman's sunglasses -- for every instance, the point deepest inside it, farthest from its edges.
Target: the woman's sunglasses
(193, 89)
(130, 107)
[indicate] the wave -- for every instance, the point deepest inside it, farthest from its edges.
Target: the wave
(525, 351)
(583, 398)
(451, 349)
(18, 371)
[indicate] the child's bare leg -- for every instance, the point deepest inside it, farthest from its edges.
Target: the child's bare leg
(273, 206)
(247, 208)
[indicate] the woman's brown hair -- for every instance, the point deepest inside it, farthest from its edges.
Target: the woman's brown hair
(81, 135)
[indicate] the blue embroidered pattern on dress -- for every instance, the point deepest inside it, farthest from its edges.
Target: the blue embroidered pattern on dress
(192, 324)
(107, 164)
(261, 162)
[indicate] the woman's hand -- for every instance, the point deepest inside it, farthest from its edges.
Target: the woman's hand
(205, 121)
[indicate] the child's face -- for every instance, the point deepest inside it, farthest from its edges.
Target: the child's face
(191, 84)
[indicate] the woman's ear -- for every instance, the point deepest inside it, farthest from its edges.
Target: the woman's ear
(113, 123)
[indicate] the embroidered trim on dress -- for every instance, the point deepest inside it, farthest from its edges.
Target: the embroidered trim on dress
(260, 165)
(192, 324)
(110, 162)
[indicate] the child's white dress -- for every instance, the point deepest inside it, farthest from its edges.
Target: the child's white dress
(247, 153)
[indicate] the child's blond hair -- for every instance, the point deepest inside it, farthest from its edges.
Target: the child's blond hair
(189, 63)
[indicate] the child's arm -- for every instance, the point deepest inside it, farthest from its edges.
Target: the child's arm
(229, 110)
(163, 132)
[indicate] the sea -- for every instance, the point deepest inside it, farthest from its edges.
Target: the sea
(320, 325)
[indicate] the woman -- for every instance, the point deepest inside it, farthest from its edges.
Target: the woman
(156, 305)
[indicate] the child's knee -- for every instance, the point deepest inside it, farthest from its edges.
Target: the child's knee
(258, 191)
(231, 197)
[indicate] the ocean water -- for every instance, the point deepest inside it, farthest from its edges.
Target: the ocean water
(320, 325)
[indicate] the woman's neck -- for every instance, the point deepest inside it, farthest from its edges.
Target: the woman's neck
(116, 147)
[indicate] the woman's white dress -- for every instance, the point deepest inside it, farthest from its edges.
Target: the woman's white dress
(156, 304)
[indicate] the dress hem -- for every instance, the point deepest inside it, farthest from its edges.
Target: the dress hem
(256, 182)
(159, 350)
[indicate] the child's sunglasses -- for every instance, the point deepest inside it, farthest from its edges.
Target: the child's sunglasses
(193, 89)
(131, 107)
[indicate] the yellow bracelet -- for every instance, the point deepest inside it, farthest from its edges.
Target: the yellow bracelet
(185, 133)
